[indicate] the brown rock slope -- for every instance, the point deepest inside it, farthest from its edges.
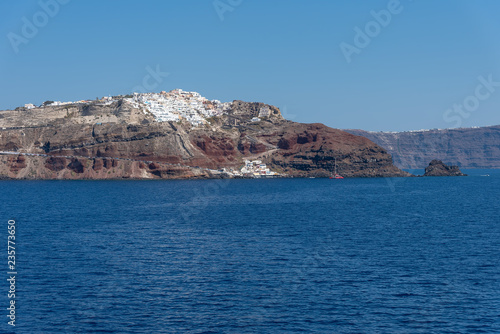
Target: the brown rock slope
(313, 149)
(117, 141)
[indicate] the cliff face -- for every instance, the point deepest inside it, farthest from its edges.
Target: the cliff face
(314, 149)
(467, 148)
(119, 141)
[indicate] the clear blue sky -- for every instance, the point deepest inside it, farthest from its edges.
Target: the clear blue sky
(285, 53)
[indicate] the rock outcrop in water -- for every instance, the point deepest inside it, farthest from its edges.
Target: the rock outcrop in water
(93, 140)
(438, 168)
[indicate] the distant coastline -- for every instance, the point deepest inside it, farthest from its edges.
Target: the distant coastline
(474, 147)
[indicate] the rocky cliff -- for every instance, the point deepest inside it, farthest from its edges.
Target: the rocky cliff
(116, 140)
(466, 148)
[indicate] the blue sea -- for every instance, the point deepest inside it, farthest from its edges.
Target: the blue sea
(403, 255)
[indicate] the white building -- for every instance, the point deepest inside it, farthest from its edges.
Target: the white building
(264, 112)
(256, 168)
(178, 104)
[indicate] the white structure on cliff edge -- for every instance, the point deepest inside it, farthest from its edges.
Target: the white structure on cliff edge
(178, 104)
(172, 106)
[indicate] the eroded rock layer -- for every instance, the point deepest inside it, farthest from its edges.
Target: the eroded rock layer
(118, 141)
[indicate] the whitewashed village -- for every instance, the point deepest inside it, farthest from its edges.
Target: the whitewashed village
(178, 105)
(172, 106)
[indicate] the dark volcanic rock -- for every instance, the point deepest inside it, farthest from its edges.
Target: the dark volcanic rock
(109, 163)
(18, 163)
(55, 164)
(97, 164)
(76, 166)
(438, 168)
(153, 166)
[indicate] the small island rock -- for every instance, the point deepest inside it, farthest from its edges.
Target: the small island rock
(438, 168)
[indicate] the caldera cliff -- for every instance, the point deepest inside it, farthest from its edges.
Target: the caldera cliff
(465, 147)
(122, 137)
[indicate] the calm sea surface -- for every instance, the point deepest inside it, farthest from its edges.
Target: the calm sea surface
(417, 255)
